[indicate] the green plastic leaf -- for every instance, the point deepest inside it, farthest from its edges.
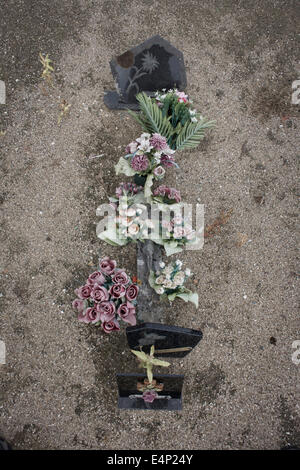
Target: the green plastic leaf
(171, 248)
(124, 167)
(141, 355)
(190, 296)
(149, 373)
(158, 362)
(152, 115)
(148, 185)
(139, 119)
(109, 236)
(192, 133)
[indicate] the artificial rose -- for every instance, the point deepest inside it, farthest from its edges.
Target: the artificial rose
(106, 310)
(99, 293)
(83, 292)
(179, 278)
(178, 232)
(107, 265)
(120, 278)
(96, 278)
(117, 291)
(127, 313)
(79, 304)
(159, 172)
(90, 315)
(109, 326)
(132, 147)
(149, 396)
(132, 292)
(133, 229)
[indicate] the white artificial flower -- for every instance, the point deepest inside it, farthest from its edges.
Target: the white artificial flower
(131, 212)
(187, 272)
(168, 284)
(133, 229)
(160, 280)
(162, 264)
(178, 263)
(160, 290)
(192, 112)
(194, 119)
(168, 269)
(179, 278)
(178, 219)
(125, 221)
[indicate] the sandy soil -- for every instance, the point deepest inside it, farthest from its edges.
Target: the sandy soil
(58, 387)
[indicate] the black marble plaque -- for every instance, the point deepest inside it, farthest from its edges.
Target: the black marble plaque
(130, 398)
(153, 65)
(169, 341)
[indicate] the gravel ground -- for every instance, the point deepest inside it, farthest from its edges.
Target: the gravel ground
(58, 389)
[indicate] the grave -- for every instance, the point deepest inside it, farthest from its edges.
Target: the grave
(168, 399)
(169, 341)
(153, 65)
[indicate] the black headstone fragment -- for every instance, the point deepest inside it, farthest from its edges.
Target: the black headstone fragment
(169, 341)
(153, 65)
(169, 399)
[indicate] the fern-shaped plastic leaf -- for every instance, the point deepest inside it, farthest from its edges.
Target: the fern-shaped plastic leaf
(191, 134)
(152, 116)
(139, 119)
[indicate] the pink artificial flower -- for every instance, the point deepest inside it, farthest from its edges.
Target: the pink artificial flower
(120, 277)
(174, 194)
(106, 310)
(90, 315)
(182, 97)
(117, 290)
(127, 313)
(131, 148)
(79, 304)
(83, 292)
(109, 326)
(149, 396)
(99, 293)
(178, 232)
(167, 160)
(159, 172)
(132, 292)
(96, 278)
(107, 265)
(158, 142)
(140, 163)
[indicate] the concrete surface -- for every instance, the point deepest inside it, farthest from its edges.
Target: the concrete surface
(58, 389)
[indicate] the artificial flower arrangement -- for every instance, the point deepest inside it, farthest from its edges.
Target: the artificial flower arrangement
(108, 296)
(169, 283)
(131, 222)
(149, 387)
(147, 156)
(171, 114)
(165, 195)
(176, 234)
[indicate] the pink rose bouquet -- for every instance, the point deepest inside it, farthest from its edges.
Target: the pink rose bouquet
(108, 296)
